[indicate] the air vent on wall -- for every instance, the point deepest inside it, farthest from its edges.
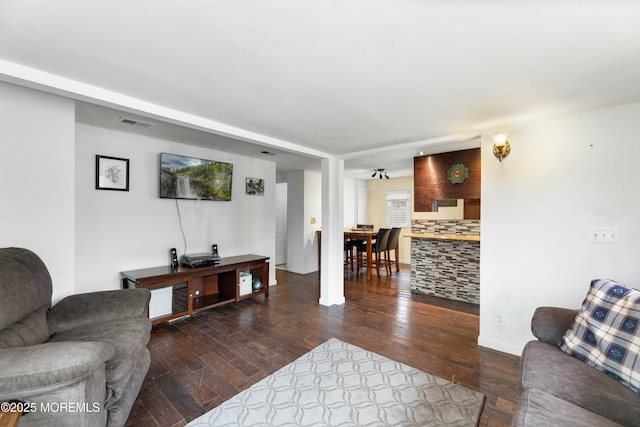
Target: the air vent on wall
(132, 122)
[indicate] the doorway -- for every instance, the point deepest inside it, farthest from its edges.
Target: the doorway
(281, 225)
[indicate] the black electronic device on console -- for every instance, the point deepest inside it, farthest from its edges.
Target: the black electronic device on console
(199, 260)
(174, 257)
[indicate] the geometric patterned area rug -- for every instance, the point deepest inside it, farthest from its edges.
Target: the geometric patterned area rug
(339, 384)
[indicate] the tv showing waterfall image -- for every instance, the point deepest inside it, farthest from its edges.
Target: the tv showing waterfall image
(183, 177)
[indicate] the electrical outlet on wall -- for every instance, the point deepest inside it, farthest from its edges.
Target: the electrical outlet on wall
(499, 318)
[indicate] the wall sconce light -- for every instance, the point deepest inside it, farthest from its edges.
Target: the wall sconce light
(501, 148)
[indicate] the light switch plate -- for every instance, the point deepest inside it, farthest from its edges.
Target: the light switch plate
(603, 235)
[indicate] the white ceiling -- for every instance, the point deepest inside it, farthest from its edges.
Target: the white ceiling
(374, 81)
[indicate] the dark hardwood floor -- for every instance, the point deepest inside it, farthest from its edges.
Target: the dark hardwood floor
(199, 362)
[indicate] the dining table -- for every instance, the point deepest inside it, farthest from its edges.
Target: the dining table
(361, 234)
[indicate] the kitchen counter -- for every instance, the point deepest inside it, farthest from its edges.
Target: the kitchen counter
(446, 265)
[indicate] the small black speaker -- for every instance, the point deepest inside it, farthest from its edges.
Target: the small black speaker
(174, 257)
(214, 250)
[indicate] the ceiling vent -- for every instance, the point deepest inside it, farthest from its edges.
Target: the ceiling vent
(136, 123)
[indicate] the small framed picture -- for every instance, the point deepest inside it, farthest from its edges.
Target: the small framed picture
(255, 186)
(112, 173)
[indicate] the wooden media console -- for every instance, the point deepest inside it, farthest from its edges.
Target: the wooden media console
(183, 291)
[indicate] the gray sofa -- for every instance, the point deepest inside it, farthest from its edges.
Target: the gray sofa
(560, 390)
(79, 363)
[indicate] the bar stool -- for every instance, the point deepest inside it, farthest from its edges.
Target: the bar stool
(393, 245)
(378, 249)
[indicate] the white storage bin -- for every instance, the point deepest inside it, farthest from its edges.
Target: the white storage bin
(245, 282)
(161, 301)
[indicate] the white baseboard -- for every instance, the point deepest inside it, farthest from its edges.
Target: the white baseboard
(500, 346)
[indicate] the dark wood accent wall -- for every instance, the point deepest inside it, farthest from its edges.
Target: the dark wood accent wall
(431, 183)
(471, 208)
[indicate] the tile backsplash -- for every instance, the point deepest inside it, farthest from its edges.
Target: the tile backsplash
(463, 227)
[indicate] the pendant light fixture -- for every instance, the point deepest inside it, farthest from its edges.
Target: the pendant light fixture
(380, 172)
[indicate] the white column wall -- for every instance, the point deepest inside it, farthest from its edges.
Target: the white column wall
(332, 273)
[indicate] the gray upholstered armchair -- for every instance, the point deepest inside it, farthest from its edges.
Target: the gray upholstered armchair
(79, 363)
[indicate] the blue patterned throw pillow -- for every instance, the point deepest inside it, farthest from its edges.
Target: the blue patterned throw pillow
(605, 333)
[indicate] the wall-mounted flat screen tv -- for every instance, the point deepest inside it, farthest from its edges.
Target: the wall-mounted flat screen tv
(183, 177)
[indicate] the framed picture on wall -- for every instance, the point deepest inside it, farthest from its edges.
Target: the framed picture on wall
(112, 173)
(255, 186)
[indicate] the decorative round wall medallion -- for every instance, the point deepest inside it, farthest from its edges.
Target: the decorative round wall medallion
(458, 173)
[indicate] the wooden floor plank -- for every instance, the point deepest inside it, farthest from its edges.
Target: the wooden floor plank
(179, 397)
(199, 362)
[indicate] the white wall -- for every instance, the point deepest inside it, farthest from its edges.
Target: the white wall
(313, 209)
(350, 202)
(37, 173)
(118, 231)
(295, 219)
(355, 202)
(304, 202)
(563, 176)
